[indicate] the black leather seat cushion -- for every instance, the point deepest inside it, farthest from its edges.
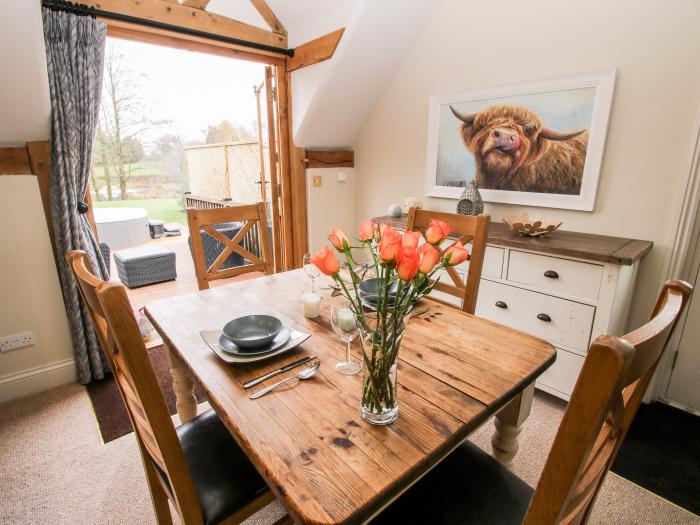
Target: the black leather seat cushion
(223, 476)
(469, 487)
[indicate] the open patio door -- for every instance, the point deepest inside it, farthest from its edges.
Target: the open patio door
(275, 194)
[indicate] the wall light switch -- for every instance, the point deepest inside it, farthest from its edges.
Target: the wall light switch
(318, 181)
(341, 176)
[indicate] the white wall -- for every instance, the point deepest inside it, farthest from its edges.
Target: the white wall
(330, 205)
(31, 295)
(332, 100)
(467, 44)
(24, 89)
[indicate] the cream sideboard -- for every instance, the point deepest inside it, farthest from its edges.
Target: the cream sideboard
(567, 288)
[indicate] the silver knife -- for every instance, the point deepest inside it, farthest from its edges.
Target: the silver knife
(280, 370)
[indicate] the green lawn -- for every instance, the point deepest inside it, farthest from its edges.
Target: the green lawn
(168, 210)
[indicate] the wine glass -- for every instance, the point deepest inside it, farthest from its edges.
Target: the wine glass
(311, 271)
(345, 325)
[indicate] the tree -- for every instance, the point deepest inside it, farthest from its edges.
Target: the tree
(170, 150)
(100, 155)
(122, 121)
(224, 131)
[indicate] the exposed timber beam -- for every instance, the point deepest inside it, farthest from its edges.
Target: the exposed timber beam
(14, 161)
(197, 4)
(195, 19)
(148, 35)
(315, 51)
(269, 16)
(330, 159)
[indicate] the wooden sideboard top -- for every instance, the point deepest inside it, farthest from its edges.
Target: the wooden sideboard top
(589, 246)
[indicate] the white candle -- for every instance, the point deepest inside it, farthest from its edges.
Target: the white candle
(312, 305)
(346, 320)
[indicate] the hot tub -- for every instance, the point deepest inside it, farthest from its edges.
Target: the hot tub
(122, 228)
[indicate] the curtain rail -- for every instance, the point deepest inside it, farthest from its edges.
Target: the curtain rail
(85, 10)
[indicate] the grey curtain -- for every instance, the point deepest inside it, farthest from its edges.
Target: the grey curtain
(74, 54)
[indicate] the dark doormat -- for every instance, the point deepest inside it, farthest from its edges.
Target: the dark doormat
(662, 454)
(110, 412)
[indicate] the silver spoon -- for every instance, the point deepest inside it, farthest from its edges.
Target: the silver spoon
(306, 373)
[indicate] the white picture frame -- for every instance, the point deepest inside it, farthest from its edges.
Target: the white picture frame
(603, 81)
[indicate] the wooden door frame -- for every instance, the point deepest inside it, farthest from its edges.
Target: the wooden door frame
(681, 261)
(193, 16)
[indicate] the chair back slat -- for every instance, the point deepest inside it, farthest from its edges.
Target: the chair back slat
(254, 218)
(607, 395)
(468, 229)
(126, 353)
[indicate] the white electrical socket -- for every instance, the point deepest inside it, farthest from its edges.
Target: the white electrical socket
(17, 341)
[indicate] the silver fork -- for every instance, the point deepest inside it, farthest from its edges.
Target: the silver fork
(306, 373)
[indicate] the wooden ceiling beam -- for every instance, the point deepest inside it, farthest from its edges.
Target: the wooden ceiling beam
(269, 16)
(14, 161)
(174, 14)
(315, 51)
(149, 35)
(197, 4)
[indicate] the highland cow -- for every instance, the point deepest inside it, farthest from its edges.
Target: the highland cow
(515, 151)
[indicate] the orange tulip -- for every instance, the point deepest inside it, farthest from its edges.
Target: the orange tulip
(408, 260)
(410, 239)
(456, 254)
(429, 257)
(326, 261)
(366, 230)
(339, 239)
(437, 231)
(390, 244)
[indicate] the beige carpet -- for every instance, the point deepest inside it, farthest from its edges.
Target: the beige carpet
(55, 470)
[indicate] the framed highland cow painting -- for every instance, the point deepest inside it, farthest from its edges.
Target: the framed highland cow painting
(537, 143)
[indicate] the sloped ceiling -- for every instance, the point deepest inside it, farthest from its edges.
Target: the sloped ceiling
(24, 87)
(331, 100)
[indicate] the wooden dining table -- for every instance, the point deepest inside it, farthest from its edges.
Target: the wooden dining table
(308, 440)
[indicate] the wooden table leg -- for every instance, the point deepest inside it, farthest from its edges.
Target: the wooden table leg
(509, 422)
(185, 403)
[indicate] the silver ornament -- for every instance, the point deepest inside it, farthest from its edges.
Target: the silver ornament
(470, 203)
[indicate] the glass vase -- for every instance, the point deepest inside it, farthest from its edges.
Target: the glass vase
(381, 341)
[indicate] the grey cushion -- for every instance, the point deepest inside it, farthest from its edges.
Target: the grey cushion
(469, 487)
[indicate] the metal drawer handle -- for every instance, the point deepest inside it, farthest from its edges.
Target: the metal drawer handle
(551, 274)
(544, 317)
(501, 304)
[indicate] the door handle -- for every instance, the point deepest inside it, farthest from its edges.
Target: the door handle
(544, 317)
(501, 304)
(551, 274)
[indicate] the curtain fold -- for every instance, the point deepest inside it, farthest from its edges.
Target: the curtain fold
(75, 46)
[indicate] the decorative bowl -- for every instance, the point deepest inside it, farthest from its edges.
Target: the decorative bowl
(253, 331)
(370, 286)
(531, 227)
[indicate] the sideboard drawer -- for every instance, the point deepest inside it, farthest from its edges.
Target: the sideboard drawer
(561, 276)
(557, 320)
(493, 261)
(562, 375)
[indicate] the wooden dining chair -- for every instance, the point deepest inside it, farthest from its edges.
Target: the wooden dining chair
(198, 466)
(203, 222)
(471, 487)
(469, 228)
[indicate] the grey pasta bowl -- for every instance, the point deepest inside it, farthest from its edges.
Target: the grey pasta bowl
(252, 331)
